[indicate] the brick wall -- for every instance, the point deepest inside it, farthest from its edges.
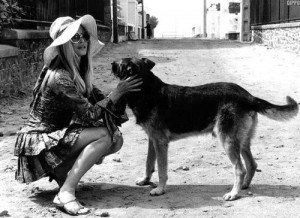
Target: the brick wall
(285, 36)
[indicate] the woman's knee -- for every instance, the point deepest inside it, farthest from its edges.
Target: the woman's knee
(90, 135)
(104, 137)
(118, 143)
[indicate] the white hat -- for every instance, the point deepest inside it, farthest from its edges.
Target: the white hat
(64, 28)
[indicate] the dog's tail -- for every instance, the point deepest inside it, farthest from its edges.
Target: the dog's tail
(277, 112)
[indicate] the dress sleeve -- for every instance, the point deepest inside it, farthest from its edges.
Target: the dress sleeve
(96, 95)
(75, 101)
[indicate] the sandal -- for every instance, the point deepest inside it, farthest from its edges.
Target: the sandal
(74, 211)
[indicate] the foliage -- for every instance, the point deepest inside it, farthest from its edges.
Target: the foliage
(153, 22)
(9, 10)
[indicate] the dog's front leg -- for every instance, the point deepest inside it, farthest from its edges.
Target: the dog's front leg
(161, 149)
(150, 165)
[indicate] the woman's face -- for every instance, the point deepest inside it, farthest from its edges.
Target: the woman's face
(80, 42)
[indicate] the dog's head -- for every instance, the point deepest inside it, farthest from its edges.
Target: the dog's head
(131, 66)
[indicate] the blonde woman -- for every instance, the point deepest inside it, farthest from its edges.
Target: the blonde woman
(72, 124)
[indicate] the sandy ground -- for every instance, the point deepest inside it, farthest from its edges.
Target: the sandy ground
(196, 192)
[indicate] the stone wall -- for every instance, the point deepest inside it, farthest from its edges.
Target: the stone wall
(285, 36)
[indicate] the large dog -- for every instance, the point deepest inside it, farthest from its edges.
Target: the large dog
(169, 112)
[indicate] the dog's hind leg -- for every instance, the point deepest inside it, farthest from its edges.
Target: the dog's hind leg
(150, 165)
(228, 129)
(250, 163)
(232, 148)
(161, 149)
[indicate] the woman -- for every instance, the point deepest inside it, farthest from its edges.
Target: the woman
(72, 124)
(149, 30)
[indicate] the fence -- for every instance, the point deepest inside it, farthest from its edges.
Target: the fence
(43, 12)
(274, 11)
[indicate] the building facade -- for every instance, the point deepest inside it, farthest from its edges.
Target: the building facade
(131, 16)
(224, 19)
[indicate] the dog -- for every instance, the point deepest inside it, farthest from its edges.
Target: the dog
(169, 112)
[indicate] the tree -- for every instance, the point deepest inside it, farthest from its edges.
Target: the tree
(153, 22)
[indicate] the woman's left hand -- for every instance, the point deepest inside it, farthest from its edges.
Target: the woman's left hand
(130, 84)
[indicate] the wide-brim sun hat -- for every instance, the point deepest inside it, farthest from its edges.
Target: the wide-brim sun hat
(64, 28)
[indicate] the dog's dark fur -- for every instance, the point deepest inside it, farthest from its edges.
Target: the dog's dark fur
(169, 112)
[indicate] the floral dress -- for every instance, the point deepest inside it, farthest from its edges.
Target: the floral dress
(58, 114)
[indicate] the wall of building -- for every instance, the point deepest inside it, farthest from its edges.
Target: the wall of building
(132, 14)
(131, 19)
(229, 22)
(213, 23)
(285, 35)
(221, 23)
(124, 10)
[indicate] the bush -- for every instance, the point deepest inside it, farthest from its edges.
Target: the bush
(9, 11)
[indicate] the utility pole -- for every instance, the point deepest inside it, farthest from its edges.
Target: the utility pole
(204, 18)
(143, 27)
(115, 21)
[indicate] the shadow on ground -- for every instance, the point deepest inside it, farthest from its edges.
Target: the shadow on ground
(111, 196)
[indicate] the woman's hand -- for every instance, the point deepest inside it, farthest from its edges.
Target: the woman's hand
(125, 86)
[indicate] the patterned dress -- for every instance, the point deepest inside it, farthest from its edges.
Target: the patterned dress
(58, 114)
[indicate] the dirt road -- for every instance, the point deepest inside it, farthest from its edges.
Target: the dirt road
(196, 192)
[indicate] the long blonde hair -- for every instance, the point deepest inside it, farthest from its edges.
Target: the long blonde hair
(71, 62)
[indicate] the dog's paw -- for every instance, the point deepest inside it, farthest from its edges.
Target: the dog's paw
(230, 196)
(157, 191)
(142, 181)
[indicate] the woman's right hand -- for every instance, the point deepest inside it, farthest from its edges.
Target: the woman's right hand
(130, 84)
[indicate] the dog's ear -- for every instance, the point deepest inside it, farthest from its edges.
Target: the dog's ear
(149, 64)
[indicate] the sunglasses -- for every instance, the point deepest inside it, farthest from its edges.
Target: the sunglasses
(77, 37)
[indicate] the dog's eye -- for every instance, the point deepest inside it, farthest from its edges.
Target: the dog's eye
(129, 69)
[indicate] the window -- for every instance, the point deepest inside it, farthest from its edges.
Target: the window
(234, 8)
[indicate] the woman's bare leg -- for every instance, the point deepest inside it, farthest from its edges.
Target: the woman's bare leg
(93, 144)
